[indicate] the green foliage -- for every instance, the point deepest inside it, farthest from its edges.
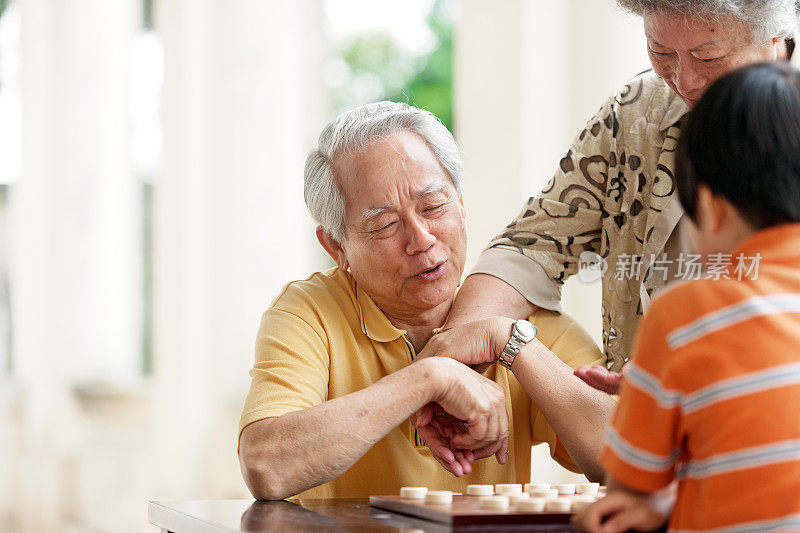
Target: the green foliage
(381, 70)
(431, 87)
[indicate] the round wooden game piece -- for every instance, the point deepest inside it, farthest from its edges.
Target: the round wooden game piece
(413, 493)
(531, 505)
(579, 503)
(587, 488)
(546, 494)
(508, 488)
(514, 498)
(560, 505)
(565, 488)
(530, 487)
(439, 497)
(495, 503)
(480, 490)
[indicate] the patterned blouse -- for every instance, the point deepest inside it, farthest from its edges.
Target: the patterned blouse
(612, 202)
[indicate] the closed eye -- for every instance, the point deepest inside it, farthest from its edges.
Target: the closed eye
(387, 226)
(434, 208)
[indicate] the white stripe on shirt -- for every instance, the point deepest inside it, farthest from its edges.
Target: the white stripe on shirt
(757, 456)
(650, 385)
(733, 314)
(743, 385)
(717, 392)
(638, 457)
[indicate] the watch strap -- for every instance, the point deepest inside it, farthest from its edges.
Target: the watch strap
(516, 342)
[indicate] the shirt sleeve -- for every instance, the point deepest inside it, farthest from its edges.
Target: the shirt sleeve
(643, 443)
(566, 338)
(564, 220)
(291, 368)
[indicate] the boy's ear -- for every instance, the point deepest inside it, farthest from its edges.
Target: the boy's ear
(333, 247)
(713, 212)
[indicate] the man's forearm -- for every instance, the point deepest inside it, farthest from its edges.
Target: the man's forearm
(284, 456)
(577, 413)
(483, 295)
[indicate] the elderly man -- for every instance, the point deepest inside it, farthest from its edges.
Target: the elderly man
(337, 382)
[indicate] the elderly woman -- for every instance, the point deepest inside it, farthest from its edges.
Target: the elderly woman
(613, 194)
(337, 380)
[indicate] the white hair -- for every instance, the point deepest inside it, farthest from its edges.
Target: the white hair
(354, 130)
(767, 19)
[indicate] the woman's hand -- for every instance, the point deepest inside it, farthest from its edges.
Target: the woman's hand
(600, 378)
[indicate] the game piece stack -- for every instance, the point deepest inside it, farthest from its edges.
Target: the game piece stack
(498, 504)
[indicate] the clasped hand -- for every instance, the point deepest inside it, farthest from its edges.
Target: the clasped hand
(468, 421)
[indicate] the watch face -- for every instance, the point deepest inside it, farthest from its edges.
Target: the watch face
(526, 329)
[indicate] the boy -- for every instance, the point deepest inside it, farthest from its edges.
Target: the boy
(712, 396)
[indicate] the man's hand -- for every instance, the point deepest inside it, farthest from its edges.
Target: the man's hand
(620, 511)
(470, 422)
(600, 378)
(437, 427)
(477, 344)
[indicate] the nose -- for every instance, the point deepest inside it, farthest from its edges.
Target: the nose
(686, 78)
(418, 235)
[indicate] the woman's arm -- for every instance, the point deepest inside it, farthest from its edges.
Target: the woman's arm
(483, 295)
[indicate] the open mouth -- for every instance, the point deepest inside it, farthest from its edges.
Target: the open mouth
(433, 273)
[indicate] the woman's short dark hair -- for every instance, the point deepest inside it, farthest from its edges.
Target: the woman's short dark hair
(742, 140)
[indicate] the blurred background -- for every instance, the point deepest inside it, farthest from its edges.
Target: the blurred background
(151, 156)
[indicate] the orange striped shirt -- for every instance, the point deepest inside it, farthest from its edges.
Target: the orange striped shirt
(712, 396)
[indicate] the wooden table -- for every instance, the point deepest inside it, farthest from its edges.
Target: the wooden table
(340, 515)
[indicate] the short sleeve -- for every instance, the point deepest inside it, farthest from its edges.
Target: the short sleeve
(291, 367)
(642, 444)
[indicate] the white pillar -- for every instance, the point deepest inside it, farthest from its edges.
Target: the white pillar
(242, 104)
(75, 271)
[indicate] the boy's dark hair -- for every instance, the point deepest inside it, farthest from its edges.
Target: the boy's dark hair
(742, 140)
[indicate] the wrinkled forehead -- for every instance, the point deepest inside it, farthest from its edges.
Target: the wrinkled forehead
(694, 32)
(433, 191)
(402, 160)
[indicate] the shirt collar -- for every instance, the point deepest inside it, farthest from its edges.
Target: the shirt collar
(374, 323)
(675, 112)
(777, 243)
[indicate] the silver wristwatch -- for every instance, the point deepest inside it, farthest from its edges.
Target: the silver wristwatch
(522, 333)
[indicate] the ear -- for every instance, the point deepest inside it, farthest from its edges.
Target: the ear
(713, 212)
(333, 247)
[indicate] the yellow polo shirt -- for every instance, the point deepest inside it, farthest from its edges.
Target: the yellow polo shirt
(323, 338)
